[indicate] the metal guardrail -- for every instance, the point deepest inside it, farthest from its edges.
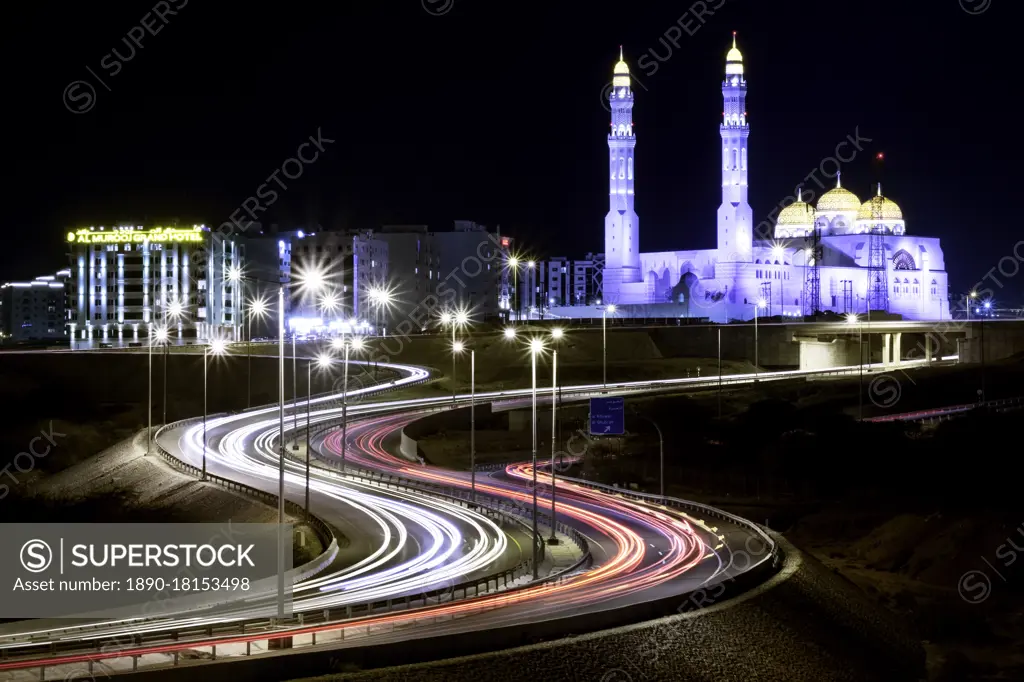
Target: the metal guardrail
(685, 505)
(951, 412)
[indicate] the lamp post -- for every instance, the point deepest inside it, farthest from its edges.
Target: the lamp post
(853, 319)
(458, 318)
(295, 395)
(604, 340)
(536, 347)
(970, 303)
(149, 411)
(161, 337)
(322, 361)
(472, 425)
(354, 343)
(513, 262)
(988, 306)
(216, 347)
(257, 307)
(557, 333)
(381, 297)
(757, 365)
(281, 537)
(719, 372)
(173, 310)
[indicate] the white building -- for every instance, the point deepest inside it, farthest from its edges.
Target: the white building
(35, 310)
(558, 282)
(127, 279)
(350, 264)
(865, 258)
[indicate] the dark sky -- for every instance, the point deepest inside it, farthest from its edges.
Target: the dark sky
(491, 112)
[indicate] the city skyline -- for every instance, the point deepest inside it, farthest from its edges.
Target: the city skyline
(414, 150)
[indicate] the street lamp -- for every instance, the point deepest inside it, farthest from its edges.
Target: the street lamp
(509, 333)
(760, 305)
(536, 347)
(174, 310)
(258, 307)
(323, 361)
(329, 302)
(513, 262)
(472, 425)
(216, 347)
(610, 308)
(853, 319)
(458, 318)
(353, 344)
(557, 333)
(529, 266)
(160, 334)
(310, 280)
(235, 275)
(973, 295)
(381, 297)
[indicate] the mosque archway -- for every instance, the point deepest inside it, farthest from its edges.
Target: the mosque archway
(903, 261)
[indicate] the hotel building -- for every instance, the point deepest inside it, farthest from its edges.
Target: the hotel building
(127, 278)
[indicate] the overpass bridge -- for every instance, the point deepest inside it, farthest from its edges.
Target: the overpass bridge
(831, 344)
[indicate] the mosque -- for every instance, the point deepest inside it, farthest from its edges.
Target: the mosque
(841, 255)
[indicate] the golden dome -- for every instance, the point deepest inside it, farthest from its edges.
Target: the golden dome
(734, 54)
(840, 200)
(796, 214)
(879, 208)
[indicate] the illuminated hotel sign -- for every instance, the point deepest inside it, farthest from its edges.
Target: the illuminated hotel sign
(138, 235)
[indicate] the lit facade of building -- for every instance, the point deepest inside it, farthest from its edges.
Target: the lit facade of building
(435, 269)
(35, 310)
(350, 264)
(128, 279)
(559, 282)
(862, 247)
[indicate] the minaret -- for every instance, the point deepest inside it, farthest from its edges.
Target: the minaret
(734, 215)
(621, 225)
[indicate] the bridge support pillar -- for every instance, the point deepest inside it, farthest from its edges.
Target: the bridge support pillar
(928, 348)
(886, 349)
(897, 348)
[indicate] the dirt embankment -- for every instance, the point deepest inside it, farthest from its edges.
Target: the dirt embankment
(123, 485)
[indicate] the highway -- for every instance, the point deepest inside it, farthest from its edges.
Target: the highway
(408, 539)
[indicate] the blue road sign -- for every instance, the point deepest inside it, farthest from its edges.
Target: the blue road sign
(607, 416)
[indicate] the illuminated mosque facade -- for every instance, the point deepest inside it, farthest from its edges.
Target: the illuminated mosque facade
(866, 259)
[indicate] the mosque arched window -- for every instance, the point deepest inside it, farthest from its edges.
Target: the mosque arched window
(903, 261)
(744, 158)
(735, 158)
(725, 158)
(630, 168)
(622, 168)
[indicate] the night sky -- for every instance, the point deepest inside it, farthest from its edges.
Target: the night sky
(491, 111)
